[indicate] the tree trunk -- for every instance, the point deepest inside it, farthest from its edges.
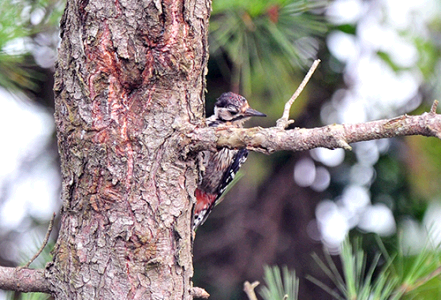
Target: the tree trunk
(130, 76)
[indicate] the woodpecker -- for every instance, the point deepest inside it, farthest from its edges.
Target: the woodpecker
(219, 168)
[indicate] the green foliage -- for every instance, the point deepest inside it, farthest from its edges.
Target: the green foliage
(347, 28)
(12, 28)
(264, 41)
(34, 296)
(423, 171)
(253, 7)
(419, 275)
(398, 277)
(20, 22)
(357, 281)
(280, 286)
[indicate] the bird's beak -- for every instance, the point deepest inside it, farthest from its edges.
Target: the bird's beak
(249, 112)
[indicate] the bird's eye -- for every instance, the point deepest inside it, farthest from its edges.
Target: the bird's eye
(232, 109)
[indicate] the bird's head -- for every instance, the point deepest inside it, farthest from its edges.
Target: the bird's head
(231, 108)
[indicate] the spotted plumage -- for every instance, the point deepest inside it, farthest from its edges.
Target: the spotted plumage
(219, 168)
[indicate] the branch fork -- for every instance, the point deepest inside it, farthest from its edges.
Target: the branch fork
(22, 279)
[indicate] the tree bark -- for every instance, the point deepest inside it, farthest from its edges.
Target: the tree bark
(23, 280)
(130, 74)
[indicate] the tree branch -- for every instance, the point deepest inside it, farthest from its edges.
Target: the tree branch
(23, 280)
(248, 288)
(198, 292)
(269, 140)
(46, 239)
(284, 121)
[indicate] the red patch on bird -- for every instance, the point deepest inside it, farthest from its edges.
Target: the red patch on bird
(203, 200)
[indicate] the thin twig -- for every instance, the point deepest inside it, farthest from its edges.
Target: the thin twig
(46, 239)
(248, 288)
(283, 122)
(434, 106)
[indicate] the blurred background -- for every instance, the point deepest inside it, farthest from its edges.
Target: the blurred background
(380, 59)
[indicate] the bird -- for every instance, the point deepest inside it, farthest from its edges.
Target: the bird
(219, 168)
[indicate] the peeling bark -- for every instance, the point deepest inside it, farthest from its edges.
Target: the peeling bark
(129, 74)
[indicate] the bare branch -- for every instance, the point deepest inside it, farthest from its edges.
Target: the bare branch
(269, 140)
(283, 122)
(23, 280)
(198, 292)
(248, 288)
(46, 239)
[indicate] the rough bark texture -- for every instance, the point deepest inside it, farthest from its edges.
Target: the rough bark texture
(130, 74)
(23, 280)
